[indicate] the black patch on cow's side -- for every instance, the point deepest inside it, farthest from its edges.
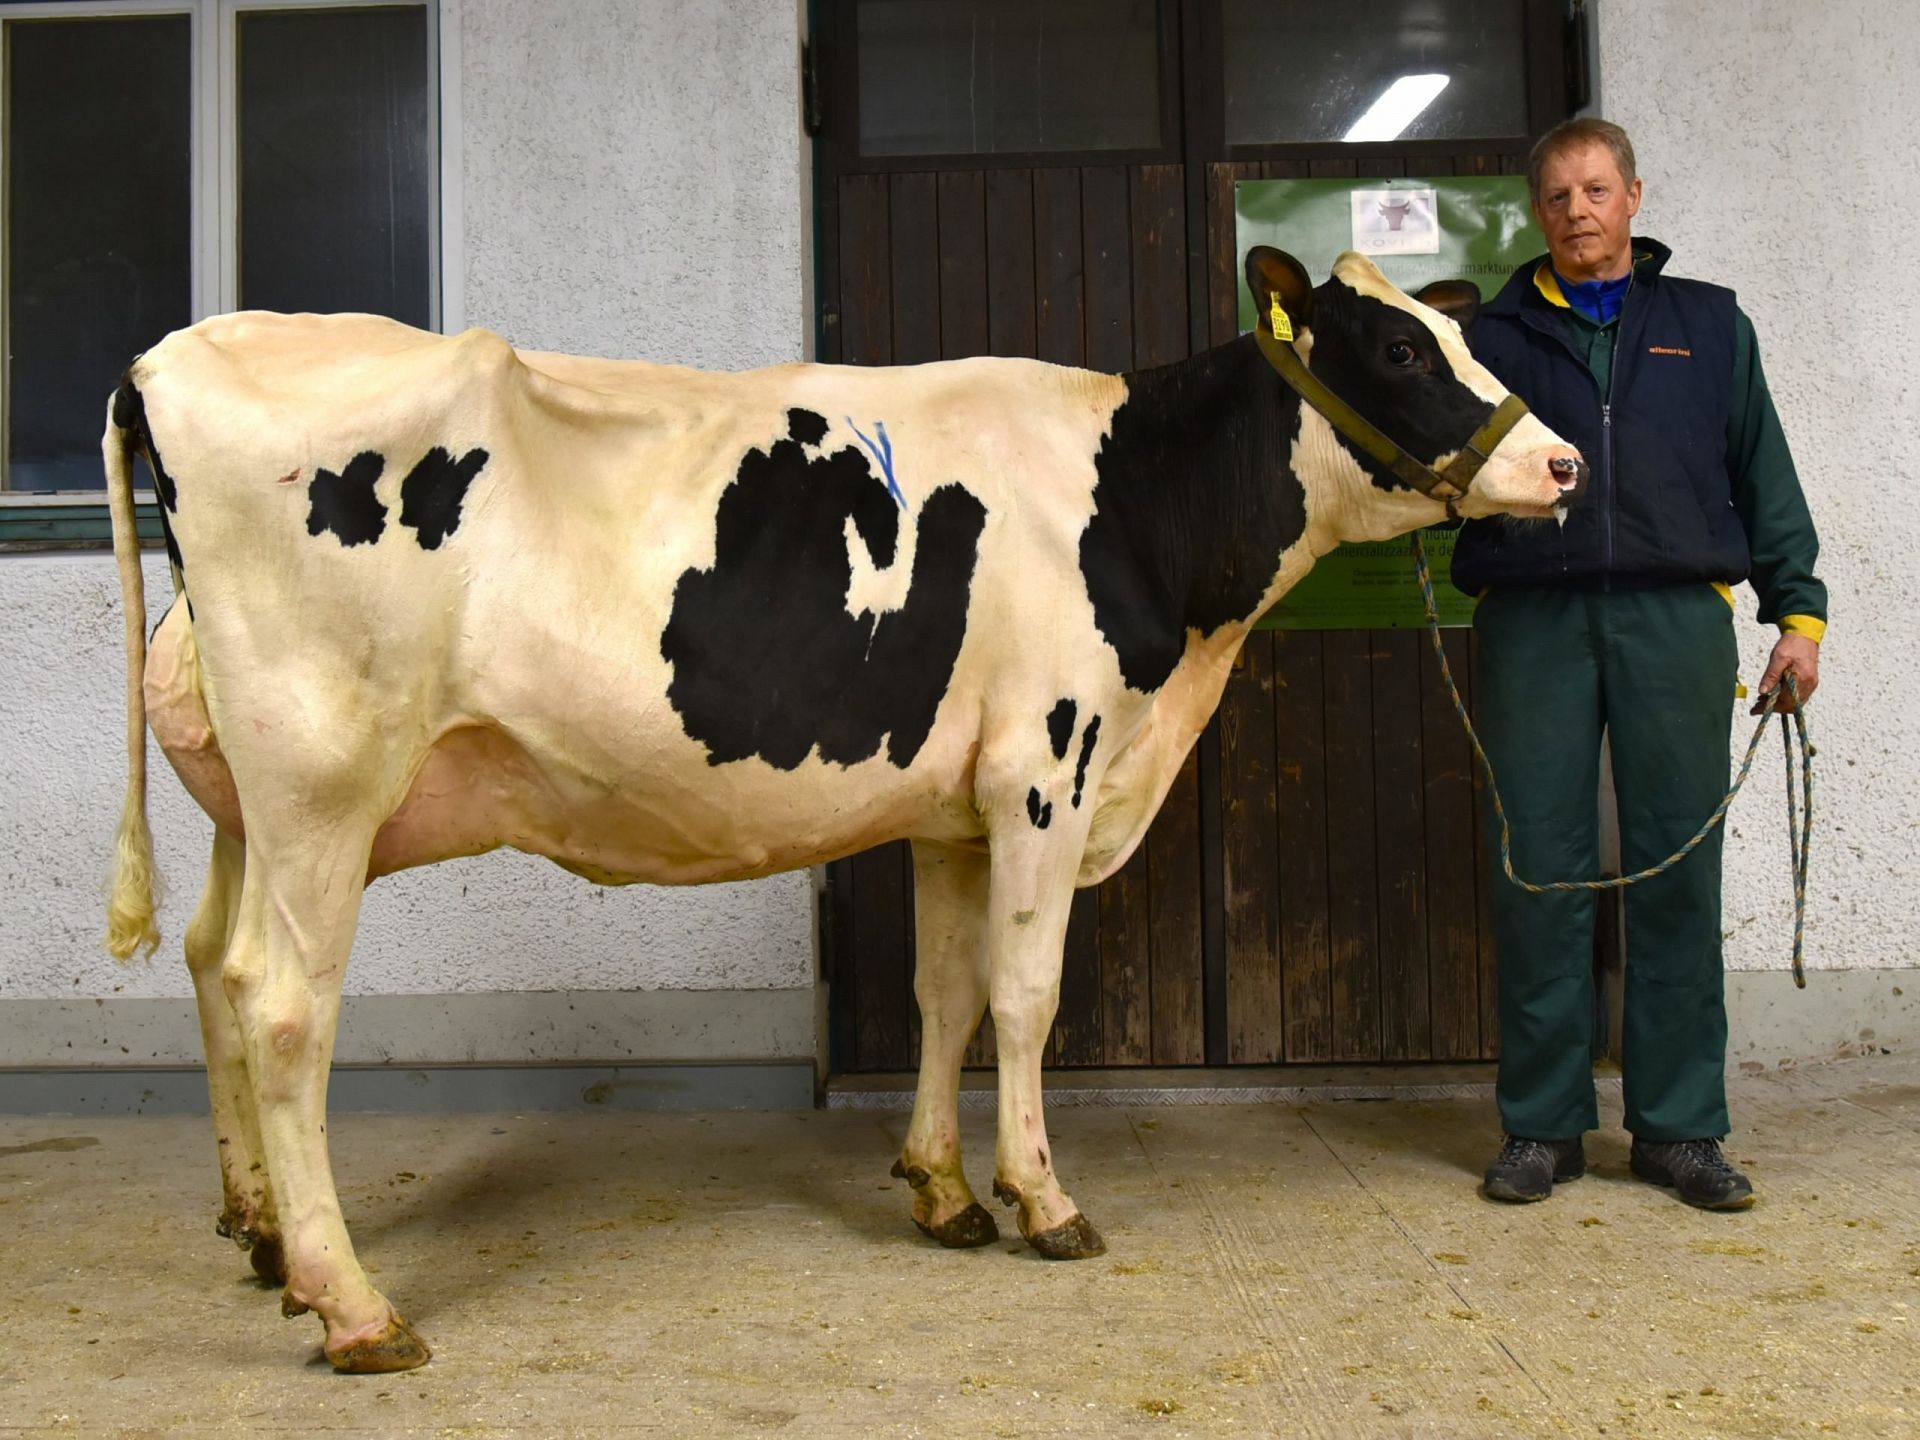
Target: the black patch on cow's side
(766, 660)
(806, 427)
(1060, 728)
(130, 413)
(432, 493)
(1423, 408)
(345, 503)
(1087, 742)
(1039, 812)
(1195, 502)
(1196, 498)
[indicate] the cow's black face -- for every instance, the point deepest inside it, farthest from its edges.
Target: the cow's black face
(1387, 362)
(1403, 364)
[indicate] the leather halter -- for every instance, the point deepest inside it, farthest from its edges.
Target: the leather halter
(1448, 484)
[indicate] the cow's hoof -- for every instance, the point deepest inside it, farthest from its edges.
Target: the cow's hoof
(269, 1259)
(1075, 1240)
(912, 1174)
(971, 1228)
(394, 1347)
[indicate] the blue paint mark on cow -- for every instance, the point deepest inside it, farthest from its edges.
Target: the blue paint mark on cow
(883, 452)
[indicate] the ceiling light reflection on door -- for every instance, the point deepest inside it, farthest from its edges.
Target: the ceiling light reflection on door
(1397, 108)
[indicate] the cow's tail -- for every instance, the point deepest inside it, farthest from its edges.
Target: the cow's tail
(130, 910)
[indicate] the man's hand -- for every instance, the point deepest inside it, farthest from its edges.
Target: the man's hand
(1798, 654)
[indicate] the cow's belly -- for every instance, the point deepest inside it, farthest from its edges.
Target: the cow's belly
(478, 787)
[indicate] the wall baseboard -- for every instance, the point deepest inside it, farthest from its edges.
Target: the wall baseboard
(1841, 1012)
(441, 1089)
(733, 1049)
(595, 1027)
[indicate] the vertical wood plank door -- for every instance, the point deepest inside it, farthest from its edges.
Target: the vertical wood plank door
(1315, 889)
(1079, 265)
(1350, 881)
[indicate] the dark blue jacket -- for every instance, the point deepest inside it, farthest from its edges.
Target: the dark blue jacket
(1661, 505)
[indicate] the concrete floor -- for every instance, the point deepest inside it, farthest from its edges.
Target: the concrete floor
(1317, 1271)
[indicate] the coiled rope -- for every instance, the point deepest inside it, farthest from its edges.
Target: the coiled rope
(1799, 811)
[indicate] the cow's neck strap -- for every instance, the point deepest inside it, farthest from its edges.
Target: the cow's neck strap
(1447, 484)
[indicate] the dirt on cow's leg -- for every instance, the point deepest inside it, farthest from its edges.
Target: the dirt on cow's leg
(946, 1211)
(299, 903)
(1032, 895)
(1072, 1239)
(247, 1214)
(950, 986)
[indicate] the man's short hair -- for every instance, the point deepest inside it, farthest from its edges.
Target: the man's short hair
(1577, 134)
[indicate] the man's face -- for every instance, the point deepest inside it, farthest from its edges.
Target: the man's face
(1586, 209)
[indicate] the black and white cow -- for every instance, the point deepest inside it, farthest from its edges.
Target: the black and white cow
(438, 596)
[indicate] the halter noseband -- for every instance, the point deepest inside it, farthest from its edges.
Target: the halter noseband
(1449, 484)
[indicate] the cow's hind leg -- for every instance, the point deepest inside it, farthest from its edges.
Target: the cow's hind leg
(299, 904)
(1032, 895)
(247, 1216)
(950, 984)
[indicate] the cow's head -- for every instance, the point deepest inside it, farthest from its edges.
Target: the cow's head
(1401, 361)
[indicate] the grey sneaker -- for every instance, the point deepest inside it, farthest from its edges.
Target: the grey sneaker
(1528, 1169)
(1697, 1171)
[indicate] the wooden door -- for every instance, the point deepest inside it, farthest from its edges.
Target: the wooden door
(1081, 265)
(1313, 889)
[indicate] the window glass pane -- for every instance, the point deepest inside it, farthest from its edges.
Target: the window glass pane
(333, 161)
(974, 77)
(1304, 70)
(99, 228)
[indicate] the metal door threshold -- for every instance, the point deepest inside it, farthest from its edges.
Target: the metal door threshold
(1251, 1085)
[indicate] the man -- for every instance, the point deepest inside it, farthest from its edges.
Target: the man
(1620, 622)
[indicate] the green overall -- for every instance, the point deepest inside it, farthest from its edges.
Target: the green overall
(1655, 670)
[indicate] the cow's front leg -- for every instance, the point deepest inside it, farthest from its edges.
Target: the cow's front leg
(247, 1214)
(950, 983)
(299, 904)
(1032, 887)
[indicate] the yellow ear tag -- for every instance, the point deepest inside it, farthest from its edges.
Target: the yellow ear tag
(1282, 326)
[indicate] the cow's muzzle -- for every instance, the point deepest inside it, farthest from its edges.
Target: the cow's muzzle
(1571, 475)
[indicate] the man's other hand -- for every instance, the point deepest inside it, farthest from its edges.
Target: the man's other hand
(1798, 654)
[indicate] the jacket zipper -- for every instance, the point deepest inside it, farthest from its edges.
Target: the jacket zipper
(1606, 475)
(1606, 443)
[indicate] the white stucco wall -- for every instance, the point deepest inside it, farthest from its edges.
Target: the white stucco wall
(1776, 141)
(631, 182)
(633, 177)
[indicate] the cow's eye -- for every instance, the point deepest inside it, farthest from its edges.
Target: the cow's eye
(1401, 355)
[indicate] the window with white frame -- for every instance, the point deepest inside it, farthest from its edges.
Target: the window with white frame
(170, 159)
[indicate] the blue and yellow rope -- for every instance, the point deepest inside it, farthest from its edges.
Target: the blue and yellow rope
(1799, 814)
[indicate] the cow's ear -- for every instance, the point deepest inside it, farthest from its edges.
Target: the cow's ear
(1458, 300)
(1275, 274)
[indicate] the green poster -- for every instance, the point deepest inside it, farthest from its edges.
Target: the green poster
(1477, 228)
